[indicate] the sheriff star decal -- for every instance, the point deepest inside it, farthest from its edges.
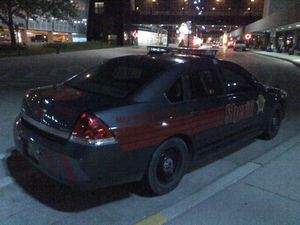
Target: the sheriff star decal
(260, 103)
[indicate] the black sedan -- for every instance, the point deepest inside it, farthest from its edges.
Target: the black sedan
(144, 117)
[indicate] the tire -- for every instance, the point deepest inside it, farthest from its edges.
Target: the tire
(273, 123)
(167, 166)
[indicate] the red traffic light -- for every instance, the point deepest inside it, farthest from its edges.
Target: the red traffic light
(248, 36)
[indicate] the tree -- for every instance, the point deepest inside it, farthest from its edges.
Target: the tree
(25, 9)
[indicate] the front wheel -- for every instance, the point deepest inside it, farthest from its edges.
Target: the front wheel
(273, 123)
(167, 166)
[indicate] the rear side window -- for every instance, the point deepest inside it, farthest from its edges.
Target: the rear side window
(116, 79)
(175, 93)
(204, 83)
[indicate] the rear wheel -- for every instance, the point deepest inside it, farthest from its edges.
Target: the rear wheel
(167, 166)
(273, 123)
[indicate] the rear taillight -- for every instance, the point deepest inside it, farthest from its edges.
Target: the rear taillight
(89, 129)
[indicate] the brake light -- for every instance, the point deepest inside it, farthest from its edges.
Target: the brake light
(91, 129)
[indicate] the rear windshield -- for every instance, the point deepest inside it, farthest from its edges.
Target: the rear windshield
(114, 78)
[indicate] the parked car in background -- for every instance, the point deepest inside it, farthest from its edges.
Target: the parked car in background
(230, 44)
(4, 41)
(206, 46)
(240, 46)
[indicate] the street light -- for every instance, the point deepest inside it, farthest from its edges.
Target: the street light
(152, 6)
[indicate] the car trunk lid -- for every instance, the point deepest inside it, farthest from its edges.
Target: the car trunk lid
(59, 107)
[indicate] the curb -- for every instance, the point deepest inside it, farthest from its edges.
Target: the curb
(53, 53)
(170, 213)
(277, 57)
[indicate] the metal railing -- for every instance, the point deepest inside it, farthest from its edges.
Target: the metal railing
(194, 13)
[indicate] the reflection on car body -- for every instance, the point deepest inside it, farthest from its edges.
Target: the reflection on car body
(143, 117)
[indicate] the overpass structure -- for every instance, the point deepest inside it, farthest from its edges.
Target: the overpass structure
(239, 20)
(110, 19)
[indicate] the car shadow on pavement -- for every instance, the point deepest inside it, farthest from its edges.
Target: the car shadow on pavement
(63, 198)
(59, 196)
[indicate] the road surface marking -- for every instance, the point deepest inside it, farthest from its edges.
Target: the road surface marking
(6, 181)
(156, 219)
(170, 213)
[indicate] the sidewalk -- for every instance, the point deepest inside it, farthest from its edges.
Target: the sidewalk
(262, 191)
(284, 56)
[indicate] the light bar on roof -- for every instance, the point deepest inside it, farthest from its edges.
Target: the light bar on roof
(160, 50)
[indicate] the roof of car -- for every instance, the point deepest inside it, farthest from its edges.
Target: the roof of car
(159, 62)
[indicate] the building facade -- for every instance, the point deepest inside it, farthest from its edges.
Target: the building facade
(120, 20)
(50, 30)
(279, 29)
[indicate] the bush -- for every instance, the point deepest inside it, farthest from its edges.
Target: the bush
(55, 45)
(8, 47)
(6, 50)
(77, 46)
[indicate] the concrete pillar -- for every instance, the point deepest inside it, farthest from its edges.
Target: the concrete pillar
(276, 40)
(266, 40)
(296, 39)
(70, 38)
(284, 40)
(273, 39)
(132, 5)
(50, 37)
(24, 37)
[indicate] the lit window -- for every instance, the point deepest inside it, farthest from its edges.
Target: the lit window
(99, 7)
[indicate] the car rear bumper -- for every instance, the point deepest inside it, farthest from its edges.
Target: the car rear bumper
(86, 167)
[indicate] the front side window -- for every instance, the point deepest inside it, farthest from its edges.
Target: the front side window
(204, 83)
(234, 81)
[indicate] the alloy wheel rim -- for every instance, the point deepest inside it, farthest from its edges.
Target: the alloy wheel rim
(168, 166)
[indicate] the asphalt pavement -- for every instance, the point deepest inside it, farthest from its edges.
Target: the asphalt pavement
(254, 183)
(262, 191)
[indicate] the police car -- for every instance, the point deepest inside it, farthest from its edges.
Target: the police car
(143, 117)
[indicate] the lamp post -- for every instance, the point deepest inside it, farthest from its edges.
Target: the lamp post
(152, 6)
